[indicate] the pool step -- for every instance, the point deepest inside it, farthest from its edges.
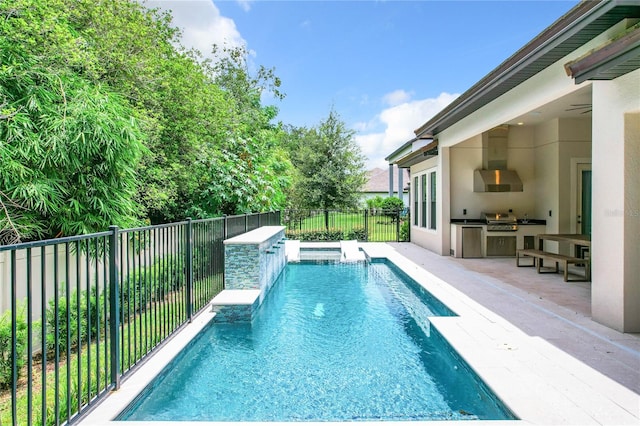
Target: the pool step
(235, 305)
(350, 252)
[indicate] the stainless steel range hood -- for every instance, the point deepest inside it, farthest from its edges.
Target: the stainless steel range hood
(494, 176)
(496, 181)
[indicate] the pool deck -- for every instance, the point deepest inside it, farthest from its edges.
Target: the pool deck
(529, 336)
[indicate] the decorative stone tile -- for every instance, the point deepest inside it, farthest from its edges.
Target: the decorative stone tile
(253, 261)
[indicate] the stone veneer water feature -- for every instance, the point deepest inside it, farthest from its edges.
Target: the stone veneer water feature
(252, 263)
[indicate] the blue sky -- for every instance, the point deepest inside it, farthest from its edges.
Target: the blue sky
(386, 67)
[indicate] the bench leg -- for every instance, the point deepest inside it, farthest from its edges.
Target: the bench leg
(518, 260)
(541, 265)
(587, 272)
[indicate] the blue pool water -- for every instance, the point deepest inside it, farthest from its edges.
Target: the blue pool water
(332, 342)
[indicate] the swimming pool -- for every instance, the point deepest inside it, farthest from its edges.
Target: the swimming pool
(332, 342)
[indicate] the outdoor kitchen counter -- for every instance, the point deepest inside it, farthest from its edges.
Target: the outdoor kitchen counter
(524, 236)
(484, 222)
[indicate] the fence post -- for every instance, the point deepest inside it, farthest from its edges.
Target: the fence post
(189, 271)
(114, 307)
(366, 224)
(397, 225)
(225, 230)
(13, 294)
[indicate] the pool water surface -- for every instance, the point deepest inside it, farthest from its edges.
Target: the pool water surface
(331, 342)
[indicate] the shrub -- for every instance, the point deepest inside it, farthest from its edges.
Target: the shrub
(356, 234)
(152, 283)
(83, 320)
(315, 235)
(392, 204)
(404, 231)
(326, 234)
(6, 347)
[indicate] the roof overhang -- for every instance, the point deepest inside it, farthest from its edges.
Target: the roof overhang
(400, 152)
(580, 25)
(610, 61)
(428, 151)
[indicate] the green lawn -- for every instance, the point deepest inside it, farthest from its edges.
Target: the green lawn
(378, 227)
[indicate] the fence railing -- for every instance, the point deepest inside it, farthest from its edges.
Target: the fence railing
(83, 311)
(332, 225)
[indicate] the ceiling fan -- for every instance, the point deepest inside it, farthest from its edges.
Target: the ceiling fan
(583, 108)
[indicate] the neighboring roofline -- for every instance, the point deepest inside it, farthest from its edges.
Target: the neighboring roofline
(585, 21)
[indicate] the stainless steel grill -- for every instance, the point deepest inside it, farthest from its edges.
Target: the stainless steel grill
(501, 222)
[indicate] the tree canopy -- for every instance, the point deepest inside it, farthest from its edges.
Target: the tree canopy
(329, 164)
(105, 119)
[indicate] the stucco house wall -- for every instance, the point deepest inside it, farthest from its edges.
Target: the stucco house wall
(547, 154)
(616, 203)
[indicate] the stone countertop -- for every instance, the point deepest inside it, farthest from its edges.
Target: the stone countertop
(484, 222)
(256, 236)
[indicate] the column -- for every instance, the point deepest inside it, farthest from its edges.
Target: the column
(390, 180)
(400, 184)
(615, 287)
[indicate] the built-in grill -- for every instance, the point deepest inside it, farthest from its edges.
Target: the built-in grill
(501, 222)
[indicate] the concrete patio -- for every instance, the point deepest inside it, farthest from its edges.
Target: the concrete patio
(540, 305)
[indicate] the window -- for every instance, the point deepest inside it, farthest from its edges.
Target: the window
(424, 200)
(432, 200)
(415, 201)
(423, 191)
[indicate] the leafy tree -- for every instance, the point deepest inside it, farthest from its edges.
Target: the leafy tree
(330, 166)
(69, 149)
(84, 84)
(137, 51)
(374, 203)
(245, 169)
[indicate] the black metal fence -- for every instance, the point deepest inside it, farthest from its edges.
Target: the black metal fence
(83, 311)
(332, 225)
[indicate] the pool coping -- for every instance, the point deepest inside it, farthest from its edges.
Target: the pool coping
(538, 382)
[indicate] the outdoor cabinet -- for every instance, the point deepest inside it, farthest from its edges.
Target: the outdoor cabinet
(471, 241)
(501, 245)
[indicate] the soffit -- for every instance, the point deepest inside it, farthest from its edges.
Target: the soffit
(610, 61)
(418, 156)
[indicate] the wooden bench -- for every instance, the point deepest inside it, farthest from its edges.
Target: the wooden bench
(538, 256)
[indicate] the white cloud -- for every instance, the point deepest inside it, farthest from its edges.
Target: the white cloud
(245, 4)
(201, 24)
(396, 97)
(398, 122)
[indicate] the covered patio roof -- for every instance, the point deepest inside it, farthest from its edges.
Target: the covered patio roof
(577, 27)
